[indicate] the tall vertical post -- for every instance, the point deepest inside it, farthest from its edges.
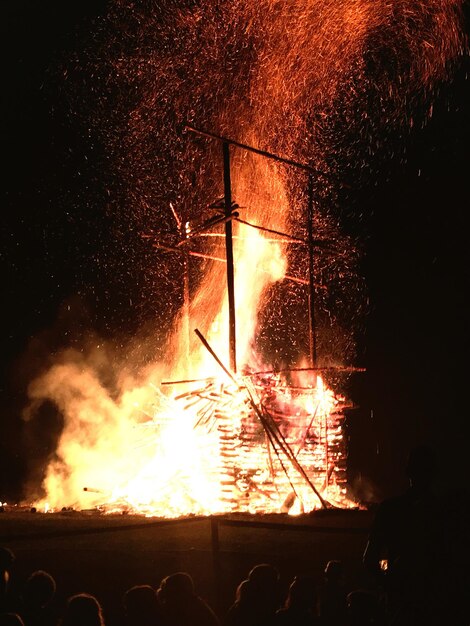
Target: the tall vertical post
(186, 294)
(186, 309)
(311, 310)
(311, 283)
(229, 257)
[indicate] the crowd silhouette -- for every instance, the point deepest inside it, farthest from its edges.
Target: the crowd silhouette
(413, 557)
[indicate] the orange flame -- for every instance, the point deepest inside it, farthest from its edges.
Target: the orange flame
(260, 443)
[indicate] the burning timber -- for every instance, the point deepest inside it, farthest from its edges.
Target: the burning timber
(270, 448)
(280, 447)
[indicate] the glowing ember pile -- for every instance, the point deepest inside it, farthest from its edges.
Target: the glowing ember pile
(316, 81)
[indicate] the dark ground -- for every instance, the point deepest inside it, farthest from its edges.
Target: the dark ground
(107, 555)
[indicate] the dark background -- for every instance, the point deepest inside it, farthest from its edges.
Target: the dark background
(413, 228)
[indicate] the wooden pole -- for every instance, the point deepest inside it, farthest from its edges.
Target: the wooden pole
(244, 146)
(186, 313)
(229, 256)
(311, 308)
(311, 283)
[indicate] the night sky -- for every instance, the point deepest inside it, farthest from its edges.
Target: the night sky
(413, 226)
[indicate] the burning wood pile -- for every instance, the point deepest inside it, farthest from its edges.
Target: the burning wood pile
(280, 446)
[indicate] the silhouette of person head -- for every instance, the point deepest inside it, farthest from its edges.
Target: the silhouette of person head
(176, 588)
(363, 608)
(301, 596)
(264, 577)
(141, 605)
(242, 594)
(264, 587)
(181, 604)
(334, 572)
(332, 594)
(39, 590)
(83, 610)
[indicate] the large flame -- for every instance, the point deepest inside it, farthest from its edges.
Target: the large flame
(308, 79)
